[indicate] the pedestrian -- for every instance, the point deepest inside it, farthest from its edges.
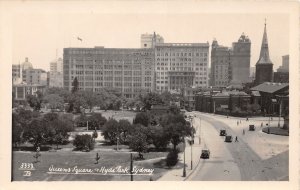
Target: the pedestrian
(243, 131)
(236, 139)
(271, 118)
(268, 130)
(261, 124)
(247, 119)
(237, 123)
(240, 121)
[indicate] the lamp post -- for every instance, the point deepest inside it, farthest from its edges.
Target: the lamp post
(184, 170)
(191, 143)
(279, 113)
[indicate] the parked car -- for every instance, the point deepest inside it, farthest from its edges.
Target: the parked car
(205, 154)
(228, 138)
(251, 128)
(223, 132)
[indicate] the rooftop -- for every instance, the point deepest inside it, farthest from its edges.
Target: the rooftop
(269, 87)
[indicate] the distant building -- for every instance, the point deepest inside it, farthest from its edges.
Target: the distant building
(179, 65)
(149, 40)
(56, 65)
(16, 74)
(284, 68)
(264, 66)
(240, 61)
(56, 73)
(220, 65)
(26, 65)
(252, 74)
(20, 91)
(34, 76)
(189, 94)
(55, 79)
(281, 77)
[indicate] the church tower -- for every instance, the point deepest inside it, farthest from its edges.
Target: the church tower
(264, 66)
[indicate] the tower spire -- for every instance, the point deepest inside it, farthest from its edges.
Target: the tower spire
(264, 57)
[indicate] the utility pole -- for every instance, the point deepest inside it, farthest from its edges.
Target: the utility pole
(184, 170)
(131, 167)
(192, 153)
(279, 113)
(87, 125)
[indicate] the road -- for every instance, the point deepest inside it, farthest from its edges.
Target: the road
(232, 161)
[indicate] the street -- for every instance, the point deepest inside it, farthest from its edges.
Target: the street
(236, 160)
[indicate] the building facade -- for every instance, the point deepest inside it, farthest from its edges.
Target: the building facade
(220, 65)
(240, 60)
(26, 65)
(34, 76)
(56, 65)
(179, 65)
(264, 66)
(149, 40)
(230, 65)
(284, 68)
(130, 71)
(20, 91)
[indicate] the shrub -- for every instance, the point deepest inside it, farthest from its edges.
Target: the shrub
(83, 142)
(172, 158)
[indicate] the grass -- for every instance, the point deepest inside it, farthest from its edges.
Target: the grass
(276, 131)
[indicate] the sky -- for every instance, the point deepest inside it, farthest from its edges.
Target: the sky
(42, 36)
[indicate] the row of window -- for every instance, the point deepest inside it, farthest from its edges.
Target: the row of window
(181, 54)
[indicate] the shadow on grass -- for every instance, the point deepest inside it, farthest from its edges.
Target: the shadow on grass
(163, 165)
(276, 131)
(31, 148)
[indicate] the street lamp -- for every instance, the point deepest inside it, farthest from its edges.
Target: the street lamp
(184, 170)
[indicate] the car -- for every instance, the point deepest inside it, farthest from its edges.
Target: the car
(223, 132)
(251, 128)
(228, 138)
(205, 154)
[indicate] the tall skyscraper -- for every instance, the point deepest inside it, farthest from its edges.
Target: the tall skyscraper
(240, 60)
(149, 40)
(220, 65)
(264, 66)
(56, 73)
(56, 65)
(179, 65)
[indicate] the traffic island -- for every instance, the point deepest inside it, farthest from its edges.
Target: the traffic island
(276, 131)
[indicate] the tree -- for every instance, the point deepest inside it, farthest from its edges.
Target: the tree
(95, 134)
(151, 99)
(111, 131)
(37, 132)
(54, 101)
(174, 109)
(125, 128)
(138, 142)
(34, 101)
(91, 99)
(84, 142)
(75, 85)
(96, 121)
(17, 130)
(142, 118)
(176, 128)
(159, 137)
(172, 158)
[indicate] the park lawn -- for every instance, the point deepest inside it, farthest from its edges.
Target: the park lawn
(66, 159)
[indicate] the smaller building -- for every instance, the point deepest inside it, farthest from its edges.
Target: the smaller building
(20, 91)
(281, 77)
(269, 91)
(55, 79)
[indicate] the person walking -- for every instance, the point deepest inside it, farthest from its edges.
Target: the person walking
(236, 139)
(261, 125)
(237, 123)
(243, 131)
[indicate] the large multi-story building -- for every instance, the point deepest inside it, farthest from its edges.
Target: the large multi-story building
(128, 70)
(220, 65)
(179, 65)
(149, 40)
(240, 61)
(16, 73)
(230, 65)
(264, 66)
